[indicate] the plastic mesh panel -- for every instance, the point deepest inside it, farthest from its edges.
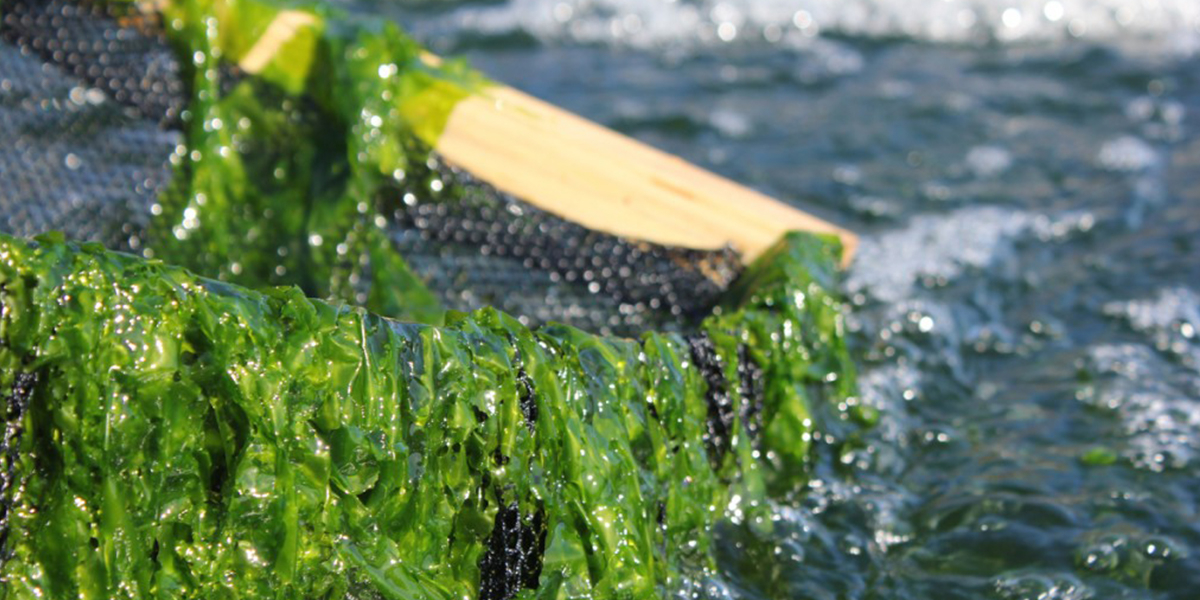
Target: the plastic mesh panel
(513, 559)
(14, 405)
(107, 45)
(90, 97)
(477, 246)
(73, 159)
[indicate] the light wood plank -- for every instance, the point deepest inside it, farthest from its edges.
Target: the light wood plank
(281, 29)
(606, 181)
(585, 173)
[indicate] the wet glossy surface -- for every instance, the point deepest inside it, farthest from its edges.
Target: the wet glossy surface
(188, 438)
(1027, 177)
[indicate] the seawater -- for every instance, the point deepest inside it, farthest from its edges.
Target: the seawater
(1026, 175)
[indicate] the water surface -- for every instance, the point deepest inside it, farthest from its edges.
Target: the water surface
(1026, 175)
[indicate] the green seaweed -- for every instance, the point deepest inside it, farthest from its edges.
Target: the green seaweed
(282, 176)
(189, 438)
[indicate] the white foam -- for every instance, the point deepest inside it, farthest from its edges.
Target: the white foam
(711, 22)
(1147, 172)
(1170, 307)
(1127, 154)
(731, 123)
(988, 161)
(1159, 415)
(1170, 320)
(938, 248)
(933, 247)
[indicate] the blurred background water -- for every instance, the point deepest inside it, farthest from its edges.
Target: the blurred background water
(1026, 174)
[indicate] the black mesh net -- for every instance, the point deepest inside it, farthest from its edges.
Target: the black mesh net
(483, 247)
(91, 97)
(93, 113)
(75, 158)
(14, 405)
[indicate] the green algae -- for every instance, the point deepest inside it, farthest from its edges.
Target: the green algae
(1099, 456)
(192, 439)
(281, 178)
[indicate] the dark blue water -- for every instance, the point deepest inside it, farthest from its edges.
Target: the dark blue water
(1027, 299)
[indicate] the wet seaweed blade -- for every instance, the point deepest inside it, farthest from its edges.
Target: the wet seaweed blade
(188, 438)
(542, 154)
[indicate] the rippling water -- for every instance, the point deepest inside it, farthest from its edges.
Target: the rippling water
(1027, 177)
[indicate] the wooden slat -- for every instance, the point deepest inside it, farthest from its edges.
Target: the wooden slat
(281, 29)
(606, 181)
(593, 176)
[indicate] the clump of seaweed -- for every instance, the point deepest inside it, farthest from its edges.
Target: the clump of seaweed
(196, 439)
